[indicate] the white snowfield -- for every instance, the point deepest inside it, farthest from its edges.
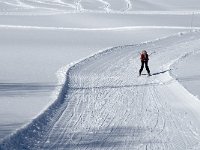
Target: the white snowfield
(105, 105)
(102, 103)
(111, 6)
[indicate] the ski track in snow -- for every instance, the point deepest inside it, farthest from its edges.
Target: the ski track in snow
(98, 29)
(105, 105)
(33, 7)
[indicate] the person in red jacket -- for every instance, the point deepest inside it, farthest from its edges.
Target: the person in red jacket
(144, 57)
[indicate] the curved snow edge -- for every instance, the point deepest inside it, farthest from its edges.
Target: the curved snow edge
(176, 62)
(30, 133)
(25, 137)
(20, 138)
(187, 98)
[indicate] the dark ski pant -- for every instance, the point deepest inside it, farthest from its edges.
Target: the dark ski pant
(146, 66)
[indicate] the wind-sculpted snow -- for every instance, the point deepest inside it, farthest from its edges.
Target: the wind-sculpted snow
(103, 104)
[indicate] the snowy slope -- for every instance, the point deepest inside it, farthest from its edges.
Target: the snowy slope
(187, 73)
(111, 6)
(104, 105)
(39, 36)
(31, 56)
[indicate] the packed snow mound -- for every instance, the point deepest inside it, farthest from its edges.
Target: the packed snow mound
(104, 104)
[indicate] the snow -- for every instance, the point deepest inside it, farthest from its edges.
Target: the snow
(31, 57)
(186, 72)
(102, 104)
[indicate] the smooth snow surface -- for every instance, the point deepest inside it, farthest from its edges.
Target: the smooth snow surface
(102, 104)
(31, 57)
(105, 105)
(187, 73)
(109, 6)
(40, 36)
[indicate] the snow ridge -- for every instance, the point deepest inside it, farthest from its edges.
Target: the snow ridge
(97, 109)
(34, 131)
(98, 29)
(38, 124)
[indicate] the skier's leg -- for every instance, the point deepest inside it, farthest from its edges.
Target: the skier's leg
(142, 66)
(147, 67)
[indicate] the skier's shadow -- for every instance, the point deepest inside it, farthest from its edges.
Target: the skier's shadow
(161, 72)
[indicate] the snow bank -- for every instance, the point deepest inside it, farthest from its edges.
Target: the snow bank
(32, 132)
(35, 130)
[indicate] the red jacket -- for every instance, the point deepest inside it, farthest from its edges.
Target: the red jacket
(144, 57)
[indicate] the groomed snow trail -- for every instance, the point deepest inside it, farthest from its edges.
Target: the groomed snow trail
(105, 105)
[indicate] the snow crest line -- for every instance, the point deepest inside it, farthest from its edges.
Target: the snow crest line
(53, 111)
(97, 29)
(83, 119)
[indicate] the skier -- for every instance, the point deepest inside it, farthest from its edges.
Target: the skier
(144, 61)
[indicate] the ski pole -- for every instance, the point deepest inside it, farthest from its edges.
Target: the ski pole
(152, 53)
